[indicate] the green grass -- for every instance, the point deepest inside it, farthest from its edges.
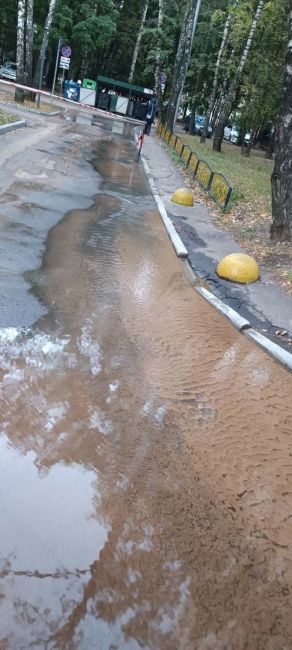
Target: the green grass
(250, 177)
(7, 118)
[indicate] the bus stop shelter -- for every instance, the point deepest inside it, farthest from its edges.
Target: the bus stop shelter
(122, 97)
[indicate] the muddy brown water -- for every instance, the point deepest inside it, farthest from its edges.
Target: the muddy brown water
(145, 449)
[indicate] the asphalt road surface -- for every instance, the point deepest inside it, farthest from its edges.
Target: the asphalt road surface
(145, 445)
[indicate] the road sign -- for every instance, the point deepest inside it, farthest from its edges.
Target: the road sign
(65, 59)
(163, 78)
(66, 51)
(65, 66)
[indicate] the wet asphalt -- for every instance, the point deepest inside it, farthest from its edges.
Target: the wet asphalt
(145, 445)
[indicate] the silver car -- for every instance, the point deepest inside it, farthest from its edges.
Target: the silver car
(8, 71)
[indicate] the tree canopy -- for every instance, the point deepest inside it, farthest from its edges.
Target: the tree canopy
(141, 38)
(103, 34)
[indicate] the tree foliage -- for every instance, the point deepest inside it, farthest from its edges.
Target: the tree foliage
(103, 35)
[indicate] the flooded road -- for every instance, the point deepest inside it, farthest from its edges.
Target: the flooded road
(145, 447)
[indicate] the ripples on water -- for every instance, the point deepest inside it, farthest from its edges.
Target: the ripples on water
(145, 448)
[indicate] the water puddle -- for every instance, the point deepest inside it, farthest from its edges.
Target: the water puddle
(145, 446)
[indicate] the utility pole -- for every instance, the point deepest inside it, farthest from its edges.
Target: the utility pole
(56, 66)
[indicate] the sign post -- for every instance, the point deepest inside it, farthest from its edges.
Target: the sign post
(56, 66)
(64, 62)
(62, 81)
(66, 51)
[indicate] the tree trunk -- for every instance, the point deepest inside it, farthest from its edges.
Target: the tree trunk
(200, 84)
(29, 43)
(192, 120)
(216, 76)
(281, 229)
(38, 77)
(138, 41)
(19, 94)
(157, 74)
(269, 150)
(249, 144)
(182, 61)
(230, 98)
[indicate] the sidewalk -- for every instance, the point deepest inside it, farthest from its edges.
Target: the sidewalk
(263, 304)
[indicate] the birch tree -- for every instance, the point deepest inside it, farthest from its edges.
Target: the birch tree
(20, 49)
(159, 48)
(138, 40)
(182, 60)
(29, 42)
(231, 95)
(217, 73)
(281, 229)
(42, 57)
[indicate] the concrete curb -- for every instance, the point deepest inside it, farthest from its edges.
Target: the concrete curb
(232, 315)
(54, 114)
(244, 326)
(11, 126)
(175, 239)
(274, 350)
(34, 111)
(43, 113)
(241, 324)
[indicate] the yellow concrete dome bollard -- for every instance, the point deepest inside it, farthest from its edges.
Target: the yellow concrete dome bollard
(182, 196)
(238, 267)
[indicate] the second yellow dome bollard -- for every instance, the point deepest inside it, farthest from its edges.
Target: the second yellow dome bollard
(182, 196)
(238, 267)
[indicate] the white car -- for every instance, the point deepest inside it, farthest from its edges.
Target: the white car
(8, 71)
(231, 134)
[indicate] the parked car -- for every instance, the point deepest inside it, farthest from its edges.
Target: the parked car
(198, 126)
(231, 134)
(8, 71)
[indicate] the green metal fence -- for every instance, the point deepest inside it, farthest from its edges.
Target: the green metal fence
(214, 183)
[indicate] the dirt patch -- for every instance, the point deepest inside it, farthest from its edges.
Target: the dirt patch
(27, 104)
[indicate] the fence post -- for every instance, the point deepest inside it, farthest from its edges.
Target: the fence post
(196, 169)
(228, 197)
(210, 180)
(189, 158)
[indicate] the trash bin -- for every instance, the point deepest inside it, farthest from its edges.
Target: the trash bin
(87, 96)
(89, 83)
(71, 90)
(140, 111)
(130, 108)
(113, 103)
(103, 101)
(122, 105)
